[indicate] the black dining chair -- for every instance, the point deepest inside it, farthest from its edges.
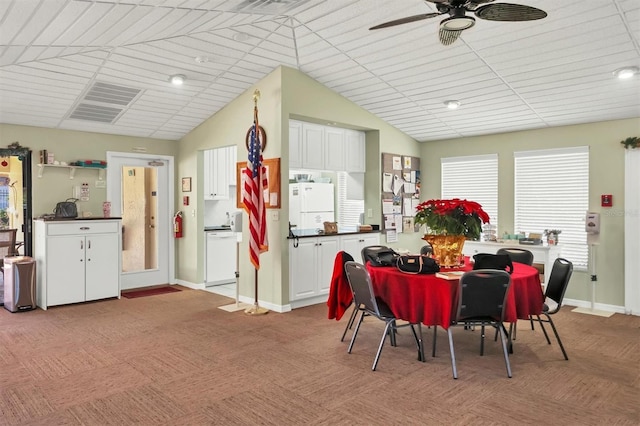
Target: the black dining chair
(517, 255)
(482, 297)
(554, 295)
(426, 250)
(370, 305)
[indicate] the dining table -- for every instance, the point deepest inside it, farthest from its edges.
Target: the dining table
(430, 300)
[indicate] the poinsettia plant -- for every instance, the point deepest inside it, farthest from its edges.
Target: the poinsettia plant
(452, 217)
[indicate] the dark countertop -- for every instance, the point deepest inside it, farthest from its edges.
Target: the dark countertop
(71, 219)
(217, 228)
(309, 233)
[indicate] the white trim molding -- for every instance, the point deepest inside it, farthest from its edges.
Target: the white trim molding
(632, 231)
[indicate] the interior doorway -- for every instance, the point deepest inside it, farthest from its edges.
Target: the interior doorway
(140, 191)
(15, 196)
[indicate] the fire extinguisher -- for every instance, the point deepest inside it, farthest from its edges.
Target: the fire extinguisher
(177, 225)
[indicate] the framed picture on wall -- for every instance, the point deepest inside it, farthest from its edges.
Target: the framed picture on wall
(186, 184)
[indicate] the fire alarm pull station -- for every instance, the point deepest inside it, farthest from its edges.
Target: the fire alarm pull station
(185, 200)
(606, 200)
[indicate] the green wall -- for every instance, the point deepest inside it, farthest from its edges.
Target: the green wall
(606, 171)
(70, 145)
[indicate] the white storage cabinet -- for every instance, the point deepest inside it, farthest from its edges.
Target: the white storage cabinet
(221, 257)
(77, 260)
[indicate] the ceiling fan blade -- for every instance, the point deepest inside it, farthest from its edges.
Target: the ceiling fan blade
(406, 20)
(509, 12)
(447, 37)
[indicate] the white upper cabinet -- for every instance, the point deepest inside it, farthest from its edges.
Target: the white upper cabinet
(333, 148)
(316, 147)
(232, 152)
(295, 144)
(354, 149)
(219, 172)
(312, 146)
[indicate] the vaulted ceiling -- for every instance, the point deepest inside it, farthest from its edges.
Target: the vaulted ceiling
(103, 66)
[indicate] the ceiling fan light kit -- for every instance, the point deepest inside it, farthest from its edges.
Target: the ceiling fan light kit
(451, 27)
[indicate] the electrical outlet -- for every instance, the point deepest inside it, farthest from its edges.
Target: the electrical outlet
(275, 215)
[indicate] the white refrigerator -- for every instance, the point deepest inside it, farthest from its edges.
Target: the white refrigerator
(310, 205)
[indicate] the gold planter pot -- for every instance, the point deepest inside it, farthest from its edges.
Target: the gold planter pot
(447, 249)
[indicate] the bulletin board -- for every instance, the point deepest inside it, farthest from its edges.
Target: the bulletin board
(272, 201)
(400, 193)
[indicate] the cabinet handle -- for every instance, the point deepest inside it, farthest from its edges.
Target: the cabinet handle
(84, 228)
(81, 245)
(89, 244)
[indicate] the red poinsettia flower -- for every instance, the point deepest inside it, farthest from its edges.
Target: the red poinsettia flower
(452, 217)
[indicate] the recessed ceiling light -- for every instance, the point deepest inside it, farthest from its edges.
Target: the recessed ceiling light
(452, 104)
(241, 36)
(625, 72)
(177, 80)
(201, 59)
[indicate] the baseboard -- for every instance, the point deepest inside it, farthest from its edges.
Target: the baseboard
(191, 285)
(599, 306)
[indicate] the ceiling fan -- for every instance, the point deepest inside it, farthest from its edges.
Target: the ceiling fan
(458, 21)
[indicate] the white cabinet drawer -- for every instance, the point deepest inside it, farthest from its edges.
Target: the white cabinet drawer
(82, 227)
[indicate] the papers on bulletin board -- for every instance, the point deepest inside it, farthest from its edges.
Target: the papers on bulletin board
(391, 206)
(407, 162)
(408, 225)
(398, 184)
(396, 163)
(393, 221)
(392, 236)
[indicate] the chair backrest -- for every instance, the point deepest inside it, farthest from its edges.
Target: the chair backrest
(517, 255)
(369, 252)
(559, 280)
(493, 261)
(426, 250)
(482, 293)
(361, 286)
(7, 242)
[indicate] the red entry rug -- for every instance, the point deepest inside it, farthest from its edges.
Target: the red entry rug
(149, 292)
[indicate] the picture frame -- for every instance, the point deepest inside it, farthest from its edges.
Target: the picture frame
(186, 184)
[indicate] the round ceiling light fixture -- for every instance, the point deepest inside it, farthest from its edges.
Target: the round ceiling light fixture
(625, 72)
(178, 79)
(452, 104)
(457, 23)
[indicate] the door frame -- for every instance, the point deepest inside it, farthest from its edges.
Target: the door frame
(165, 228)
(24, 155)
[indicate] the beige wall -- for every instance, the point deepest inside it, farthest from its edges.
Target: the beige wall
(69, 145)
(606, 171)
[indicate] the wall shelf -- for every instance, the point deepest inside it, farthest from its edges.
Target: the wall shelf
(72, 169)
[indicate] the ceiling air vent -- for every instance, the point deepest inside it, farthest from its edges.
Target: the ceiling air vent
(103, 102)
(268, 7)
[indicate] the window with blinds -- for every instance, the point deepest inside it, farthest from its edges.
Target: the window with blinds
(349, 209)
(474, 178)
(552, 192)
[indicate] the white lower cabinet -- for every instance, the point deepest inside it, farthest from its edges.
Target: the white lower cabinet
(77, 261)
(221, 257)
(311, 264)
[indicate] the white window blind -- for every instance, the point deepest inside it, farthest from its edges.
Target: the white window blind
(474, 178)
(552, 192)
(349, 210)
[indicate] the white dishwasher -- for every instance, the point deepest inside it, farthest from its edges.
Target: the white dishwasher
(221, 258)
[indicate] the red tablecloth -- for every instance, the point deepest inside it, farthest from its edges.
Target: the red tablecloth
(430, 300)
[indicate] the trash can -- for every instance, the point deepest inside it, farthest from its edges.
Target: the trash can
(19, 283)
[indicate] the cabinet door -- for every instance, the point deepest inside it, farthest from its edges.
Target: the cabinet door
(232, 153)
(102, 263)
(221, 174)
(208, 175)
(328, 247)
(353, 244)
(295, 144)
(334, 149)
(65, 270)
(302, 268)
(354, 144)
(312, 146)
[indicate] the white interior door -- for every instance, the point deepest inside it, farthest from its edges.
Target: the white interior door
(157, 225)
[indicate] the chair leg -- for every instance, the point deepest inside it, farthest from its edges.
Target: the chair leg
(553, 327)
(503, 339)
(419, 341)
(435, 333)
(392, 333)
(350, 322)
(453, 355)
(531, 321)
(543, 329)
(388, 325)
(482, 339)
(355, 332)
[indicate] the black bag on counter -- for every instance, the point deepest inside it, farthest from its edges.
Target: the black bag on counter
(417, 264)
(493, 261)
(66, 209)
(380, 256)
